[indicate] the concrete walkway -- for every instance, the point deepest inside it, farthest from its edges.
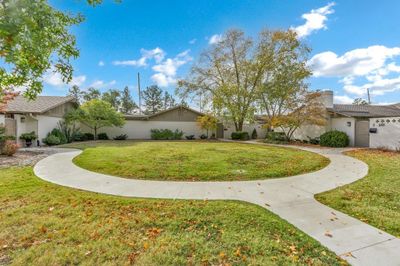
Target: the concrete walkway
(291, 198)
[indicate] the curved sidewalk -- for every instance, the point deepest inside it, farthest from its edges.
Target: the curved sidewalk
(292, 198)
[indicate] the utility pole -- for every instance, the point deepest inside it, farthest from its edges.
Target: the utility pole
(369, 97)
(140, 94)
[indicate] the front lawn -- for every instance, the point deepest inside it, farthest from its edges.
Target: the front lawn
(45, 224)
(196, 161)
(375, 199)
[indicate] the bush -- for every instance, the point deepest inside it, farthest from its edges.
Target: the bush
(190, 137)
(166, 134)
(28, 136)
(121, 137)
(59, 134)
(88, 136)
(78, 136)
(9, 148)
(102, 136)
(314, 141)
(254, 134)
(335, 139)
(275, 137)
(203, 136)
(240, 135)
(52, 140)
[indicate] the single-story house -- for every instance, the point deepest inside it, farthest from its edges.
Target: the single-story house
(375, 126)
(40, 115)
(43, 114)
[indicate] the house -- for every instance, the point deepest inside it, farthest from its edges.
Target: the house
(374, 126)
(40, 115)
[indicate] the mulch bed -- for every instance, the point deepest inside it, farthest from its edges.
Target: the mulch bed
(22, 158)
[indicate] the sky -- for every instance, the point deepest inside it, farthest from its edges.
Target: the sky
(355, 44)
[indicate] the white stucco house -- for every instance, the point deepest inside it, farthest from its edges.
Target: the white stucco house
(40, 115)
(374, 126)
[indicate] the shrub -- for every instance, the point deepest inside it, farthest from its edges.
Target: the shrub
(254, 134)
(121, 137)
(10, 148)
(28, 136)
(314, 141)
(166, 134)
(275, 137)
(52, 140)
(59, 134)
(203, 136)
(69, 130)
(78, 136)
(102, 136)
(240, 135)
(335, 139)
(88, 136)
(190, 137)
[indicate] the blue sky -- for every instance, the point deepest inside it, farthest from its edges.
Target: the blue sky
(355, 44)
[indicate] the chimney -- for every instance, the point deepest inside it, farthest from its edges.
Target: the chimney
(327, 98)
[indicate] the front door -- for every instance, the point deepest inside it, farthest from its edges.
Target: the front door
(220, 131)
(362, 133)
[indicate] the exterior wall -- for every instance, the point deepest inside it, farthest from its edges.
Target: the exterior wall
(61, 110)
(387, 135)
(230, 127)
(2, 119)
(141, 129)
(310, 131)
(340, 124)
(46, 124)
(178, 114)
(28, 125)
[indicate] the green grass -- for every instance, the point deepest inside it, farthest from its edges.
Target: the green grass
(45, 224)
(196, 161)
(375, 199)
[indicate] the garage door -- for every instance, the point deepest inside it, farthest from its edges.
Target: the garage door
(362, 134)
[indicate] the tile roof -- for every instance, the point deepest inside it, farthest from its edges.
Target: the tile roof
(40, 105)
(353, 110)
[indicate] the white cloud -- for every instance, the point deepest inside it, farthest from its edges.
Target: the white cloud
(55, 79)
(157, 54)
(192, 41)
(166, 70)
(315, 20)
(343, 99)
(369, 66)
(99, 84)
(101, 63)
(216, 38)
(358, 62)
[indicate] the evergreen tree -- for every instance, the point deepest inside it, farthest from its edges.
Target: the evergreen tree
(113, 97)
(91, 94)
(153, 99)
(76, 92)
(127, 103)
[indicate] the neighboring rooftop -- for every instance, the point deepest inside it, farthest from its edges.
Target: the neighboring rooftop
(352, 110)
(40, 105)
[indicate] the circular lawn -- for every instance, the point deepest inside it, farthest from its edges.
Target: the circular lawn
(197, 161)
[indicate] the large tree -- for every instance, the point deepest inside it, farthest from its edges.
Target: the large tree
(284, 84)
(76, 92)
(113, 97)
(168, 100)
(229, 73)
(96, 114)
(91, 94)
(127, 103)
(153, 99)
(359, 101)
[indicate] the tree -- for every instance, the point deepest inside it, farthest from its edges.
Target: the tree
(168, 101)
(127, 103)
(284, 82)
(153, 101)
(306, 110)
(35, 38)
(76, 92)
(228, 75)
(360, 101)
(113, 97)
(207, 122)
(91, 94)
(96, 114)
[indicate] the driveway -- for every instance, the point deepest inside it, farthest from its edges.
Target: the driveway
(292, 198)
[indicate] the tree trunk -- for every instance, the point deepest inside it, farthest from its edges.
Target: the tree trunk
(95, 133)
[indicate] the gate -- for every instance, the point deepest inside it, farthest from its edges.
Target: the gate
(362, 133)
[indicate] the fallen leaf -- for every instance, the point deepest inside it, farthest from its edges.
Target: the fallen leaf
(328, 234)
